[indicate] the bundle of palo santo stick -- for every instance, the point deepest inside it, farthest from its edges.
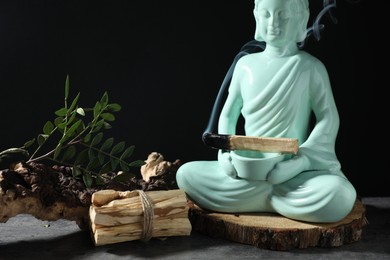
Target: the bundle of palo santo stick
(119, 216)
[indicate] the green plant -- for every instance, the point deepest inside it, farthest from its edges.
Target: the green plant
(79, 141)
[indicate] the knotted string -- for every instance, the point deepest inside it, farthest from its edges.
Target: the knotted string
(148, 209)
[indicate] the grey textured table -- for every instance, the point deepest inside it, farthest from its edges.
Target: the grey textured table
(24, 237)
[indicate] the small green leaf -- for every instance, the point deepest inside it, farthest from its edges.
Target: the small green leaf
(72, 118)
(123, 177)
(108, 116)
(91, 154)
(57, 151)
(64, 138)
(48, 128)
(74, 102)
(96, 109)
(127, 153)
(67, 86)
(101, 158)
(87, 138)
(114, 163)
(76, 171)
(118, 148)
(124, 166)
(62, 126)
(29, 143)
(106, 167)
(41, 139)
(82, 157)
(97, 139)
(58, 120)
(107, 126)
(107, 144)
(61, 111)
(88, 180)
(98, 126)
(114, 107)
(81, 127)
(73, 128)
(137, 163)
(69, 153)
(92, 164)
(10, 153)
(104, 99)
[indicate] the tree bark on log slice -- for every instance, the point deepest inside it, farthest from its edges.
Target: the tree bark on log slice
(275, 232)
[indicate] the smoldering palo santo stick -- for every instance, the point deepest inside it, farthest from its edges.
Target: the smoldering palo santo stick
(241, 142)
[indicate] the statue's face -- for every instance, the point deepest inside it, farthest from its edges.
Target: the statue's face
(277, 21)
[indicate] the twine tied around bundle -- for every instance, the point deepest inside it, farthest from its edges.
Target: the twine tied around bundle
(148, 209)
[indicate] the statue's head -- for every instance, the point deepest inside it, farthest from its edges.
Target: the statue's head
(284, 18)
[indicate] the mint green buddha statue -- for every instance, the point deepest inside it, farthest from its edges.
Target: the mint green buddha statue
(277, 91)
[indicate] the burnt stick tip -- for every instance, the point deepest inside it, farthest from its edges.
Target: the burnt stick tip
(217, 141)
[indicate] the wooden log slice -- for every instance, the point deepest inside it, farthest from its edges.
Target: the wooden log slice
(275, 232)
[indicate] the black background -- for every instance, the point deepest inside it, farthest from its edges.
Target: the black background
(164, 62)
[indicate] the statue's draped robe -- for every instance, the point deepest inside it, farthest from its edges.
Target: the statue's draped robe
(277, 98)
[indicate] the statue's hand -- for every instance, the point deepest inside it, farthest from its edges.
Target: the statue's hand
(225, 162)
(286, 170)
